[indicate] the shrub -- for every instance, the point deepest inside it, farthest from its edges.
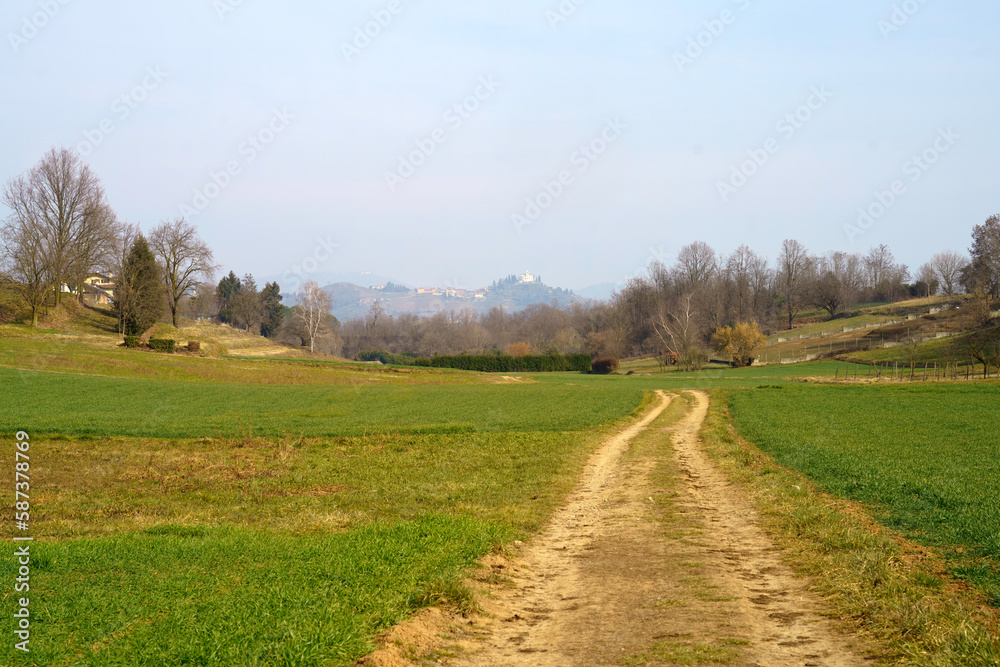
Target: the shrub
(194, 346)
(519, 349)
(162, 344)
(739, 342)
(604, 365)
(133, 341)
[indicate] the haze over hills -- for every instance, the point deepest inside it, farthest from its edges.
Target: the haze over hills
(352, 295)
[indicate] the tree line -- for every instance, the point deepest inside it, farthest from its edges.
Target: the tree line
(62, 229)
(705, 300)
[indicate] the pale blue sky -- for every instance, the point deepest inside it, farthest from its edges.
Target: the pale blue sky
(222, 75)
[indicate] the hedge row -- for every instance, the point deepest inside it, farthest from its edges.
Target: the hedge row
(487, 363)
(391, 359)
(162, 344)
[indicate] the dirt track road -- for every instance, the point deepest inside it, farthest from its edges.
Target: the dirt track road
(655, 560)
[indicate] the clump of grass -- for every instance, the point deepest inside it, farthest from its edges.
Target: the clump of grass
(446, 590)
(861, 569)
(683, 653)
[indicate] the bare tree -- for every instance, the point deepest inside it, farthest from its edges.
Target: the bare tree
(678, 330)
(984, 270)
(837, 282)
(885, 278)
(794, 269)
(125, 300)
(24, 260)
(63, 201)
(93, 247)
(761, 280)
(948, 267)
(738, 274)
(184, 258)
(826, 292)
(696, 263)
(313, 307)
(927, 280)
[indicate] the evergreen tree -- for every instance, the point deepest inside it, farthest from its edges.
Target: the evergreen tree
(229, 288)
(273, 311)
(246, 304)
(139, 291)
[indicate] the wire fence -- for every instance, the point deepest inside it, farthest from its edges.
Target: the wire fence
(891, 371)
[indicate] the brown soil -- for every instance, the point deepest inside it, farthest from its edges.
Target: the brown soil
(655, 560)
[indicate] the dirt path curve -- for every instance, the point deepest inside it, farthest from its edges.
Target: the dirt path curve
(646, 567)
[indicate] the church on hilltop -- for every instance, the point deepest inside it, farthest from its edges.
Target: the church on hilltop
(526, 277)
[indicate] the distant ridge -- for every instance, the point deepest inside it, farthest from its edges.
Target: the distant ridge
(351, 300)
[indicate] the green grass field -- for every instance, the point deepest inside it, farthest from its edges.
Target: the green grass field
(207, 510)
(924, 458)
(192, 521)
(54, 403)
(182, 595)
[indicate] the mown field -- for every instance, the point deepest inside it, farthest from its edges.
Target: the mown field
(925, 459)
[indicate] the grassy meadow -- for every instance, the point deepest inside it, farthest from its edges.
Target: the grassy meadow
(205, 509)
(192, 516)
(923, 458)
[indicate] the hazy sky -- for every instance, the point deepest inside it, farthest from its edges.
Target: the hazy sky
(281, 128)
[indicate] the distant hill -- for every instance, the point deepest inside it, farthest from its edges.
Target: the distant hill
(601, 292)
(289, 282)
(350, 300)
